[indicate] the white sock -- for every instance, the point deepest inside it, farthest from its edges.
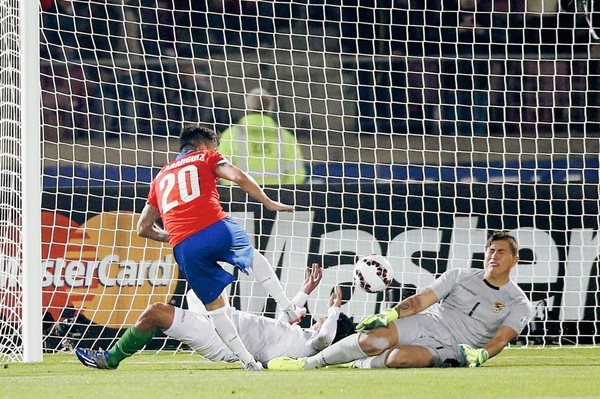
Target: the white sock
(372, 362)
(265, 275)
(226, 330)
(343, 351)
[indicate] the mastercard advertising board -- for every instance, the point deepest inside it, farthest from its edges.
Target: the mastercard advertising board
(102, 270)
(99, 273)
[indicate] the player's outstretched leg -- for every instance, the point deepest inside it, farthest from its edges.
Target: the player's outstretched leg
(226, 330)
(134, 339)
(371, 362)
(344, 351)
(265, 275)
(97, 359)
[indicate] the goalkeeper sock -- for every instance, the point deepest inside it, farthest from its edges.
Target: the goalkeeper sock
(265, 275)
(372, 362)
(343, 351)
(228, 333)
(131, 342)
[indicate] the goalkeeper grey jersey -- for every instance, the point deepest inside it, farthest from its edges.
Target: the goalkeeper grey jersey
(472, 309)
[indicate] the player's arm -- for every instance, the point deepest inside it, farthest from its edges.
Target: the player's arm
(416, 303)
(328, 329)
(503, 336)
(247, 183)
(312, 279)
(475, 357)
(147, 227)
(408, 307)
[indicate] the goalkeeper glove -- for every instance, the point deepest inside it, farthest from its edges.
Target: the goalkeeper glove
(377, 320)
(473, 357)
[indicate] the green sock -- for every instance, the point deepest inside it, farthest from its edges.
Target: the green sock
(131, 342)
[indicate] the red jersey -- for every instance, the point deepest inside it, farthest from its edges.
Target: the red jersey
(185, 192)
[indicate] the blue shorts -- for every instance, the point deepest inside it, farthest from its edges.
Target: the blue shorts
(198, 254)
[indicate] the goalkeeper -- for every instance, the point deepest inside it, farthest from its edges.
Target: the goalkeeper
(463, 318)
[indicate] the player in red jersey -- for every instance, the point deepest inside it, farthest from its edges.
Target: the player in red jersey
(184, 194)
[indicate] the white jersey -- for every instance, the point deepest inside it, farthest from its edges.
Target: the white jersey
(472, 310)
(267, 338)
(264, 338)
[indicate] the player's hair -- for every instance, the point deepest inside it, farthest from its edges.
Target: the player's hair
(345, 327)
(194, 135)
(504, 235)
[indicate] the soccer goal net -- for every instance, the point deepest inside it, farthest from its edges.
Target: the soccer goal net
(403, 128)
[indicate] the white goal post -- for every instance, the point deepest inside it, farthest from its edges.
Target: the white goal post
(20, 190)
(422, 127)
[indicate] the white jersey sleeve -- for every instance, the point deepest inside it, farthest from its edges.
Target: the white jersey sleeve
(298, 300)
(267, 338)
(444, 284)
(328, 330)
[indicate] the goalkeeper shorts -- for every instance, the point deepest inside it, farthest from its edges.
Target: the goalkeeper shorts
(422, 330)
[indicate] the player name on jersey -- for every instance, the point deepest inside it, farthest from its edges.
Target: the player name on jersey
(186, 160)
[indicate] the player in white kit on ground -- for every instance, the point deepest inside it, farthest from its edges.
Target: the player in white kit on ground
(265, 338)
(463, 318)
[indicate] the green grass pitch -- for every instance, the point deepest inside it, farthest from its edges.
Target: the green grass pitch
(516, 373)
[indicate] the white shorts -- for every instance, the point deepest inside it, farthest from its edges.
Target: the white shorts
(198, 332)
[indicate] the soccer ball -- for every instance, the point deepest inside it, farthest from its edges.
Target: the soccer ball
(373, 273)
